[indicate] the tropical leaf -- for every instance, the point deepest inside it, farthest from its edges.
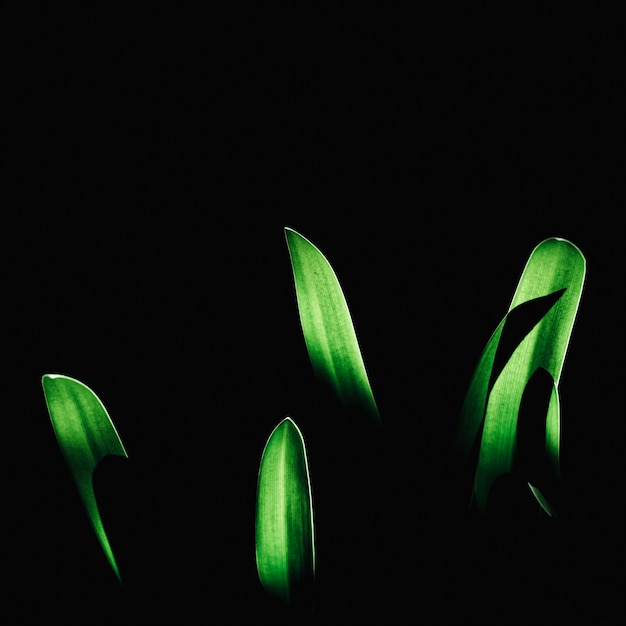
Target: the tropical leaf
(534, 335)
(327, 326)
(285, 547)
(85, 434)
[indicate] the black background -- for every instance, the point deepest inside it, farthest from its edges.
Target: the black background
(154, 159)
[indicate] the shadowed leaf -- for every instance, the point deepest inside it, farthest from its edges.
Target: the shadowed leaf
(534, 334)
(327, 327)
(85, 434)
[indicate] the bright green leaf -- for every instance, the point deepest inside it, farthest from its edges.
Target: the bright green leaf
(85, 434)
(541, 317)
(285, 549)
(328, 328)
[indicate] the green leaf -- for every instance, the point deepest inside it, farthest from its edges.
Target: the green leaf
(285, 549)
(85, 434)
(327, 327)
(534, 334)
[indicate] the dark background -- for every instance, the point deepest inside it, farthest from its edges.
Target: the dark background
(153, 160)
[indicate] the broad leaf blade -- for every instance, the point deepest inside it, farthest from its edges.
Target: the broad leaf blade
(328, 328)
(86, 435)
(285, 549)
(550, 287)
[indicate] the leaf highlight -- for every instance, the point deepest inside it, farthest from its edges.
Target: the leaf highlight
(327, 326)
(533, 336)
(285, 547)
(85, 434)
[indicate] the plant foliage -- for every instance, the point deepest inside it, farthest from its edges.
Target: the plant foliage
(285, 547)
(86, 435)
(530, 343)
(327, 326)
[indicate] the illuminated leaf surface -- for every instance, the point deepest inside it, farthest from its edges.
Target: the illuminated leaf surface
(328, 328)
(285, 551)
(85, 434)
(547, 298)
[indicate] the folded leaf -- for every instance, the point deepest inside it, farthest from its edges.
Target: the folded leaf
(285, 549)
(85, 434)
(534, 335)
(327, 327)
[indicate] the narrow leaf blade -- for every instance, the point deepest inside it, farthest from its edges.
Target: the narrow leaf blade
(285, 548)
(86, 435)
(327, 326)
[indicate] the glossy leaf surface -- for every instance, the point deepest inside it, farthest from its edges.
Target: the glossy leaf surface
(85, 434)
(327, 326)
(285, 548)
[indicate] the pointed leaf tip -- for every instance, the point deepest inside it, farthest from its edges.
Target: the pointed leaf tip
(328, 328)
(86, 435)
(285, 549)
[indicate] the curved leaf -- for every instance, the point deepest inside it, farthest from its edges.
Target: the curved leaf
(327, 326)
(285, 549)
(546, 299)
(85, 434)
